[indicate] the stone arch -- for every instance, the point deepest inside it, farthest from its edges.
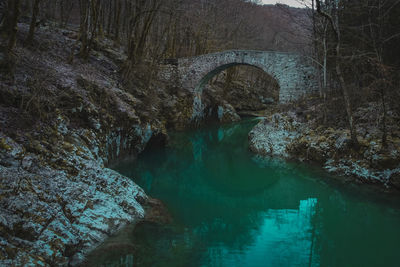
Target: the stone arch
(294, 73)
(206, 78)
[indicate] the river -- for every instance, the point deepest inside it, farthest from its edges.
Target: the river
(232, 208)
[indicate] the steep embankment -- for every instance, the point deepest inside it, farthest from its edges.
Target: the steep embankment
(62, 122)
(60, 125)
(298, 135)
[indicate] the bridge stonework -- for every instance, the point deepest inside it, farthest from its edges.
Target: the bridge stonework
(294, 73)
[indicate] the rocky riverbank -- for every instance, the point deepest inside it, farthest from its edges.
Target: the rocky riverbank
(295, 136)
(61, 124)
(55, 215)
(63, 120)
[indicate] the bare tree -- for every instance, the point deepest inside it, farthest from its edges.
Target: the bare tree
(84, 8)
(9, 33)
(333, 18)
(35, 12)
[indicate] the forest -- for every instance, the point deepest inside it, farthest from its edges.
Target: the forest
(158, 133)
(353, 43)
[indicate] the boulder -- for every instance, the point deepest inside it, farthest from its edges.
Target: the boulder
(227, 113)
(342, 143)
(272, 137)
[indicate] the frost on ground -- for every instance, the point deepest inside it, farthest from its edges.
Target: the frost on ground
(285, 135)
(49, 216)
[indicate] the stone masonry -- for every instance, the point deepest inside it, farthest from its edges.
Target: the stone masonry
(294, 73)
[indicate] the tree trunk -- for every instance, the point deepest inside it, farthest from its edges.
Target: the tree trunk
(100, 32)
(12, 37)
(62, 13)
(109, 18)
(83, 28)
(117, 19)
(9, 37)
(345, 89)
(95, 11)
(334, 22)
(384, 129)
(32, 27)
(346, 97)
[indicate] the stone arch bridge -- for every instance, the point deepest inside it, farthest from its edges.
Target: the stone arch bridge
(294, 73)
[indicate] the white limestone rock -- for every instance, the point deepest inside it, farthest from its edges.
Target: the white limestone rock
(49, 217)
(271, 137)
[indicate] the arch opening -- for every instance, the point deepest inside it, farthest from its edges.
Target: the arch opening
(234, 88)
(245, 86)
(206, 78)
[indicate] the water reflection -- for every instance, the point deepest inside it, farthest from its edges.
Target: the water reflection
(285, 238)
(231, 208)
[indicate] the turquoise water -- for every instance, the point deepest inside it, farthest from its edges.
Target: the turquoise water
(231, 208)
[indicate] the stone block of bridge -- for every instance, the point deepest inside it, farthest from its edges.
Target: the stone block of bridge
(294, 73)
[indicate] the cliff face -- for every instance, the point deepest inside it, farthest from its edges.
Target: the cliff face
(52, 214)
(60, 125)
(62, 122)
